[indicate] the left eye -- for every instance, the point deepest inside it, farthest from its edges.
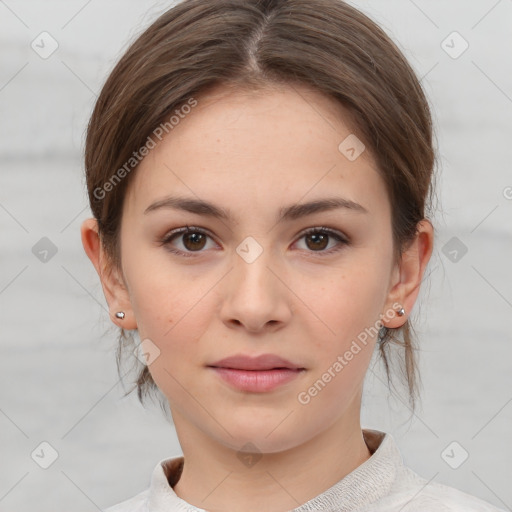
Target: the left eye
(317, 239)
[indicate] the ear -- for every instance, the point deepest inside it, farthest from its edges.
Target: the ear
(114, 289)
(408, 274)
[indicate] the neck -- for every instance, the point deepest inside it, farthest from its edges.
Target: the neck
(214, 478)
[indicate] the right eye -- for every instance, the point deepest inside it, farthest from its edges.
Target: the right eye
(191, 238)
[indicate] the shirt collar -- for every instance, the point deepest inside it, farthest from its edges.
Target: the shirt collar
(368, 483)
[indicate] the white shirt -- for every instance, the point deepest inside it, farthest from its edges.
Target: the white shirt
(381, 484)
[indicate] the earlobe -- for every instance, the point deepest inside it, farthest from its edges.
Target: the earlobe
(115, 291)
(409, 275)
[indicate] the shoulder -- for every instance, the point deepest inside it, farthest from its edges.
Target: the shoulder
(412, 493)
(458, 500)
(159, 495)
(444, 498)
(137, 503)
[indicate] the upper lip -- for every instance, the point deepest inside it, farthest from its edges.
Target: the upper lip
(262, 362)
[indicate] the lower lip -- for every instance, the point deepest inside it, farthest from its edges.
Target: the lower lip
(257, 380)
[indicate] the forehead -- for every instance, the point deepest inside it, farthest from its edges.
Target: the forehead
(258, 145)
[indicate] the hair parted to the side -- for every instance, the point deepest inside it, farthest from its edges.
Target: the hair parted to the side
(252, 44)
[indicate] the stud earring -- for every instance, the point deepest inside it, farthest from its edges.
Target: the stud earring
(401, 312)
(120, 315)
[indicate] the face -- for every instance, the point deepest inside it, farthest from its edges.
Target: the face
(302, 286)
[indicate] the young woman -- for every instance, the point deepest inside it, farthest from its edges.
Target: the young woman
(259, 173)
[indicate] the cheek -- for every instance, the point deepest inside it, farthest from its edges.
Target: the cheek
(173, 314)
(169, 312)
(162, 294)
(343, 343)
(175, 318)
(346, 303)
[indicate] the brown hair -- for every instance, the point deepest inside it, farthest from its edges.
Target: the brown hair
(326, 44)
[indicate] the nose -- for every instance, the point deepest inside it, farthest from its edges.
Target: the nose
(255, 296)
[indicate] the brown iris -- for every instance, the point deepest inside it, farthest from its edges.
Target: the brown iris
(194, 241)
(320, 240)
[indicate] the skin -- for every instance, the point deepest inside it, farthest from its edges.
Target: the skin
(254, 153)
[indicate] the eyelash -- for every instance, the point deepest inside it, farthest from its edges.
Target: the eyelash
(169, 237)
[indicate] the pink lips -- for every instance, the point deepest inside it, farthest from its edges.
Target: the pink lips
(256, 374)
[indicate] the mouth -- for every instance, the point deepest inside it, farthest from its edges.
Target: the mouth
(257, 381)
(256, 374)
(256, 369)
(258, 363)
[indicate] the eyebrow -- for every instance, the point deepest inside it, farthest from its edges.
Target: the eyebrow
(287, 213)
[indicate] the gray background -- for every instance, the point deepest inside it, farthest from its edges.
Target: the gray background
(57, 368)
